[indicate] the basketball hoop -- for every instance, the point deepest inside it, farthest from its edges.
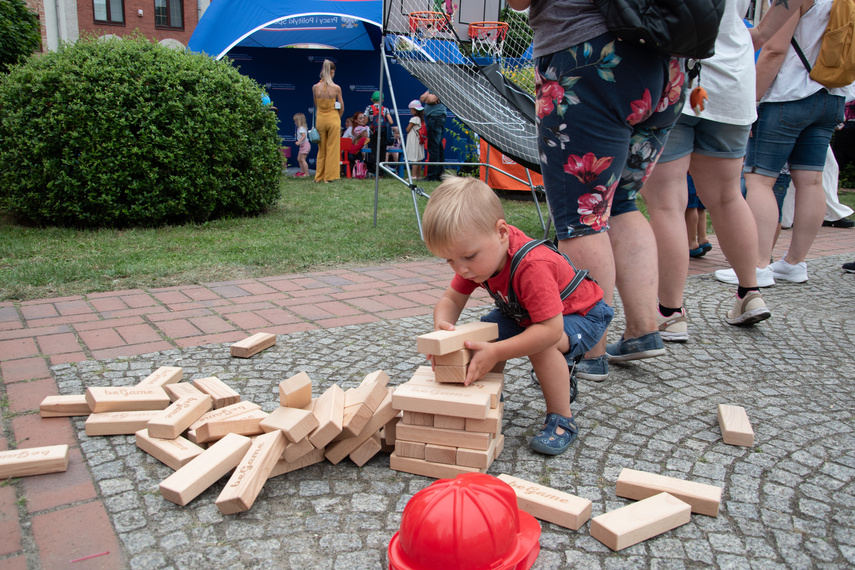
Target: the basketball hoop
(427, 24)
(488, 37)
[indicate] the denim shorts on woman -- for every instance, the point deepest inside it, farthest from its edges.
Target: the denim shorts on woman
(583, 331)
(705, 137)
(604, 110)
(796, 130)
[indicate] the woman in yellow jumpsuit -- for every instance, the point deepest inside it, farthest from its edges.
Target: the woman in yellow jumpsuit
(329, 108)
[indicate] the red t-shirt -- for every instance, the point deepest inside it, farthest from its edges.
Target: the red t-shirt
(538, 282)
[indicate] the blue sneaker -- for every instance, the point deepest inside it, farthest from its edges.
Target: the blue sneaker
(596, 369)
(548, 441)
(646, 346)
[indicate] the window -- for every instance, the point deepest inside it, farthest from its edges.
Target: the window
(169, 14)
(109, 12)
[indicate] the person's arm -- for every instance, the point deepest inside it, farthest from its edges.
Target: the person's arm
(429, 98)
(301, 138)
(775, 18)
(340, 100)
(536, 338)
(410, 126)
(773, 54)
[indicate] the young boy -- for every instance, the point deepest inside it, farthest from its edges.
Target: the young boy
(464, 223)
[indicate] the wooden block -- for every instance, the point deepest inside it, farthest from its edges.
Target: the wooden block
(440, 454)
(389, 434)
(64, 406)
(361, 402)
(125, 399)
(33, 461)
(179, 416)
(451, 374)
(338, 450)
(222, 394)
(443, 342)
(704, 499)
(428, 469)
(247, 423)
(735, 426)
(294, 451)
(329, 411)
(253, 345)
(493, 423)
(457, 358)
(549, 504)
(251, 473)
(440, 399)
(282, 467)
(478, 458)
(296, 391)
(639, 521)
(175, 453)
(206, 469)
(295, 424)
(412, 449)
(449, 422)
(491, 383)
(181, 389)
(438, 436)
(366, 450)
(417, 419)
(119, 423)
(163, 376)
(223, 413)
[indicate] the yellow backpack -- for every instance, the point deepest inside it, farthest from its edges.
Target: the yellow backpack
(835, 64)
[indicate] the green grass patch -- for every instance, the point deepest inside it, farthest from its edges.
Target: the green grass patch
(311, 227)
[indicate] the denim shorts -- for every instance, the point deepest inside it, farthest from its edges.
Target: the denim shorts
(604, 110)
(583, 331)
(705, 137)
(798, 131)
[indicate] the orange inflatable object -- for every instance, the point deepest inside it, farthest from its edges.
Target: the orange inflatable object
(697, 99)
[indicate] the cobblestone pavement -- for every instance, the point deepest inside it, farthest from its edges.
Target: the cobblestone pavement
(788, 502)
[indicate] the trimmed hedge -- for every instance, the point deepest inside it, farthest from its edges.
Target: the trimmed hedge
(124, 132)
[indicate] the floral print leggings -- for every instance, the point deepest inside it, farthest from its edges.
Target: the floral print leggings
(604, 111)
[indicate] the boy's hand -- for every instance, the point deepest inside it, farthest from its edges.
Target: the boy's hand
(438, 326)
(484, 358)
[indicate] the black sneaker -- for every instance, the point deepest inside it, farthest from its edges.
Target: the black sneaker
(850, 267)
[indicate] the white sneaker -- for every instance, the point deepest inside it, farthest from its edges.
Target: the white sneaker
(782, 270)
(765, 276)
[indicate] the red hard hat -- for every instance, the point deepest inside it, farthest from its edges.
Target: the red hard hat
(470, 522)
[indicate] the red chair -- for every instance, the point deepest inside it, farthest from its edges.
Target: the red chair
(346, 143)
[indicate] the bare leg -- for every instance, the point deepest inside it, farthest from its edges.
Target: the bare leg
(808, 214)
(701, 228)
(691, 229)
(550, 366)
(761, 200)
(636, 271)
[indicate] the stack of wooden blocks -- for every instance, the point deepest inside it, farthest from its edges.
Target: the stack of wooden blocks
(448, 428)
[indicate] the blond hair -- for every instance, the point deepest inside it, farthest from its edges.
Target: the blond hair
(326, 72)
(458, 206)
(300, 120)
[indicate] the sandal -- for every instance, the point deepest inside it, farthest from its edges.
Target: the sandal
(548, 441)
(697, 252)
(706, 246)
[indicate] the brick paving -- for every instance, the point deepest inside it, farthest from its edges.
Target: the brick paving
(100, 505)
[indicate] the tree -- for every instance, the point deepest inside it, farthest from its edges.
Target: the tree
(19, 33)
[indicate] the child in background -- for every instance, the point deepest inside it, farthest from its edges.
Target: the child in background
(303, 143)
(348, 128)
(545, 309)
(414, 149)
(359, 136)
(696, 223)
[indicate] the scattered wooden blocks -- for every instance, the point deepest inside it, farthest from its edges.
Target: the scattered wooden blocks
(338, 450)
(443, 342)
(295, 424)
(247, 423)
(188, 482)
(175, 453)
(33, 461)
(163, 376)
(119, 423)
(222, 394)
(282, 466)
(704, 499)
(329, 411)
(64, 406)
(366, 450)
(549, 504)
(226, 412)
(735, 426)
(181, 389)
(253, 345)
(124, 399)
(639, 521)
(296, 391)
(360, 403)
(251, 473)
(294, 451)
(179, 416)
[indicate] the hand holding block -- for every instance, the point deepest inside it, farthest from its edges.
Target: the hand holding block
(163, 376)
(174, 453)
(704, 499)
(639, 521)
(442, 342)
(296, 391)
(125, 399)
(550, 504)
(179, 416)
(735, 427)
(222, 394)
(188, 482)
(33, 461)
(64, 406)
(251, 473)
(253, 345)
(329, 410)
(295, 424)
